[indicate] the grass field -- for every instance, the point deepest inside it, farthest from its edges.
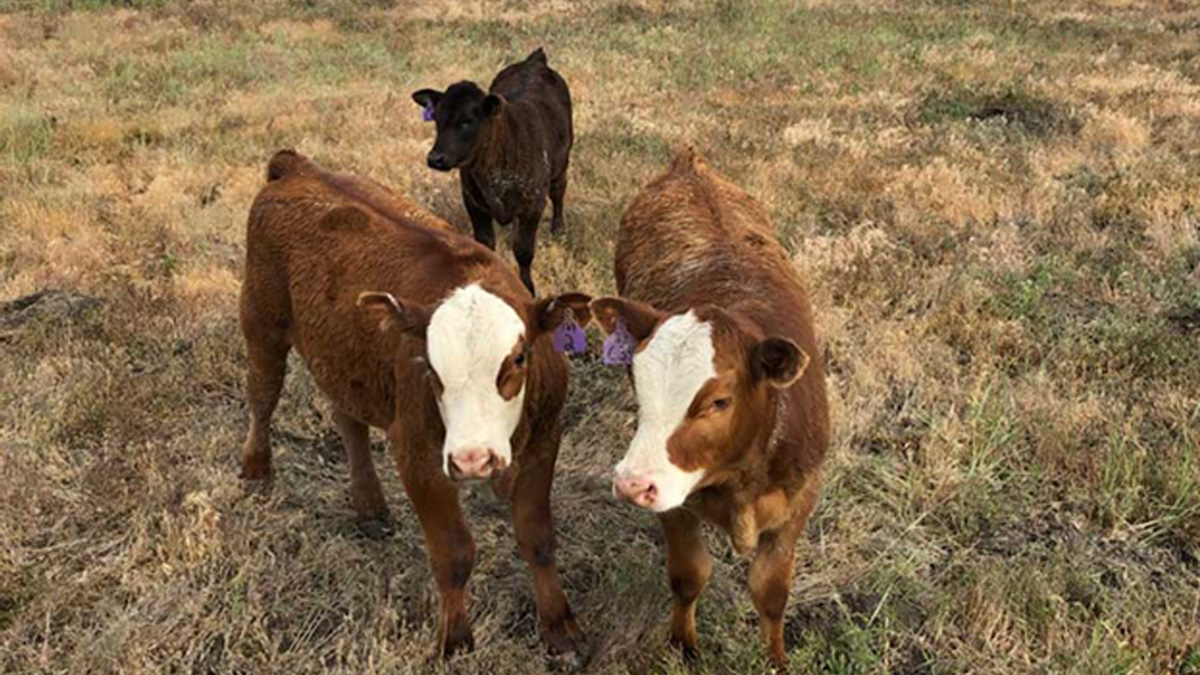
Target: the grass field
(996, 206)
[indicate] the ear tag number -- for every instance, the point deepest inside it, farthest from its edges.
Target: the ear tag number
(619, 346)
(569, 337)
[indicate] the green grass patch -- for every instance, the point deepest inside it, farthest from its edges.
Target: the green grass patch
(25, 135)
(1012, 105)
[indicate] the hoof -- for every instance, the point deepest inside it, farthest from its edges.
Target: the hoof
(257, 485)
(689, 650)
(566, 662)
(255, 471)
(565, 644)
(556, 226)
(459, 641)
(377, 529)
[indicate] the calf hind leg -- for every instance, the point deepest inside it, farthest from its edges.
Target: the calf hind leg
(366, 495)
(558, 189)
(267, 367)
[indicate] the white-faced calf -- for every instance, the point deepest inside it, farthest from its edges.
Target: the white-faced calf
(422, 333)
(733, 423)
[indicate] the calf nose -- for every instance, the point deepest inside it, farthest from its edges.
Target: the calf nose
(436, 160)
(472, 463)
(640, 491)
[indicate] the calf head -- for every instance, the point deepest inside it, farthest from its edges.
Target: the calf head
(479, 352)
(461, 113)
(703, 380)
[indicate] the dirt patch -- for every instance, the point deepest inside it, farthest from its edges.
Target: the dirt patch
(45, 306)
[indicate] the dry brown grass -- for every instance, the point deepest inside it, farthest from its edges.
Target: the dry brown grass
(994, 204)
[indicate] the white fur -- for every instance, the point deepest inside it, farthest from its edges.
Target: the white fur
(469, 336)
(668, 373)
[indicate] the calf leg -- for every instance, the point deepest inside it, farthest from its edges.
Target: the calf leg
(524, 244)
(771, 571)
(267, 366)
(534, 526)
(688, 569)
(366, 496)
(558, 189)
(481, 221)
(770, 583)
(448, 542)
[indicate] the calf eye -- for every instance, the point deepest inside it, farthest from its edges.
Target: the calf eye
(519, 360)
(721, 403)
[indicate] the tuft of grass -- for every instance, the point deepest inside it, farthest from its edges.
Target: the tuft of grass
(26, 135)
(1011, 105)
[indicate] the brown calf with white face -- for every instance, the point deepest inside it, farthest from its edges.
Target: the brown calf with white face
(733, 423)
(425, 334)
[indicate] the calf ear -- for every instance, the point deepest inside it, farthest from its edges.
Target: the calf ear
(393, 314)
(490, 105)
(638, 317)
(427, 98)
(548, 313)
(779, 361)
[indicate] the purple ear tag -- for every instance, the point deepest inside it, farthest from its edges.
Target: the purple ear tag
(618, 347)
(427, 113)
(569, 337)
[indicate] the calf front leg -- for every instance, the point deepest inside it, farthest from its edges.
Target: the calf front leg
(525, 243)
(448, 542)
(771, 569)
(771, 582)
(688, 570)
(481, 220)
(534, 526)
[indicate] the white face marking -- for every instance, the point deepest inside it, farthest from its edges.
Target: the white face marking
(676, 362)
(469, 336)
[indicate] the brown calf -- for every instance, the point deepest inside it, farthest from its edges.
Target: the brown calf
(511, 145)
(425, 334)
(733, 423)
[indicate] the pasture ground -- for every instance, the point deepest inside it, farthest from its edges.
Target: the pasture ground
(995, 205)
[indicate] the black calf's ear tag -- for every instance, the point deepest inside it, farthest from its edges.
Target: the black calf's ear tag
(428, 100)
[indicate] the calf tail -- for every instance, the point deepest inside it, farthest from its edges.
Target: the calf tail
(285, 163)
(687, 160)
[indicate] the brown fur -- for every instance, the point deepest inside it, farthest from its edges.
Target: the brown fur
(314, 243)
(364, 192)
(693, 240)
